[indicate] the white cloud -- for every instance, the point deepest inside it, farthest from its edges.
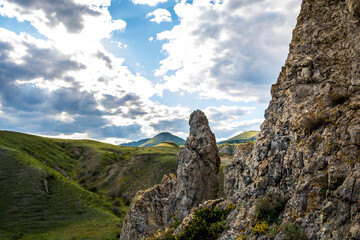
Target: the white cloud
(151, 39)
(119, 44)
(149, 2)
(159, 15)
(227, 112)
(64, 117)
(234, 127)
(226, 121)
(227, 49)
(76, 26)
(70, 82)
(76, 136)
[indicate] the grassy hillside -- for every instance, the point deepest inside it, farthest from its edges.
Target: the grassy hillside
(136, 143)
(161, 137)
(244, 137)
(72, 189)
(150, 142)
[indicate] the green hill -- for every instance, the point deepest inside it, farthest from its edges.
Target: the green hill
(168, 144)
(162, 137)
(72, 189)
(249, 136)
(136, 143)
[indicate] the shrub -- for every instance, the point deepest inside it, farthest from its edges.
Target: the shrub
(260, 227)
(269, 208)
(293, 231)
(207, 223)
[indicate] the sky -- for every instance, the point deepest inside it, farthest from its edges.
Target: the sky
(123, 70)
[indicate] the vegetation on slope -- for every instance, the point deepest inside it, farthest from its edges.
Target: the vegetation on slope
(248, 136)
(72, 189)
(135, 143)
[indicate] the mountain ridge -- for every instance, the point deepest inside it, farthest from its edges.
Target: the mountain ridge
(157, 139)
(244, 137)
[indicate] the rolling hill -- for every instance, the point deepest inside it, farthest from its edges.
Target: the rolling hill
(244, 137)
(161, 137)
(135, 143)
(72, 189)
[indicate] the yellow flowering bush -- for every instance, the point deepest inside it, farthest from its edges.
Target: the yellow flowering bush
(260, 227)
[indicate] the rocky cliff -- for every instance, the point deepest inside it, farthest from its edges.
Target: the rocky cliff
(198, 166)
(154, 210)
(308, 149)
(301, 179)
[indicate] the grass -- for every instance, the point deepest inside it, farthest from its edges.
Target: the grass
(165, 136)
(27, 210)
(249, 136)
(90, 185)
(168, 145)
(293, 231)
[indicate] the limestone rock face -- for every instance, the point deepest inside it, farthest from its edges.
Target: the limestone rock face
(198, 166)
(145, 216)
(308, 150)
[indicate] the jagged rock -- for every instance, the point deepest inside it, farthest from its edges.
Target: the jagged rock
(354, 7)
(308, 149)
(236, 170)
(145, 216)
(198, 166)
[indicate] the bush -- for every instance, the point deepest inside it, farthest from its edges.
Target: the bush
(293, 231)
(207, 224)
(260, 227)
(269, 208)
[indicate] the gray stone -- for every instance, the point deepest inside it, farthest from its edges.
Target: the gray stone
(354, 132)
(145, 216)
(198, 166)
(354, 7)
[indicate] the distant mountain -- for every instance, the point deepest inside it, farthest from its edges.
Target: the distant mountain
(244, 137)
(163, 137)
(135, 143)
(150, 142)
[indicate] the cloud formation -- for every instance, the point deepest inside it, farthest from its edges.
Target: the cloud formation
(227, 49)
(60, 87)
(159, 15)
(149, 2)
(69, 84)
(65, 12)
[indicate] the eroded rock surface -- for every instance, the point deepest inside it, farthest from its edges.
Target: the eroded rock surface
(308, 149)
(145, 216)
(198, 165)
